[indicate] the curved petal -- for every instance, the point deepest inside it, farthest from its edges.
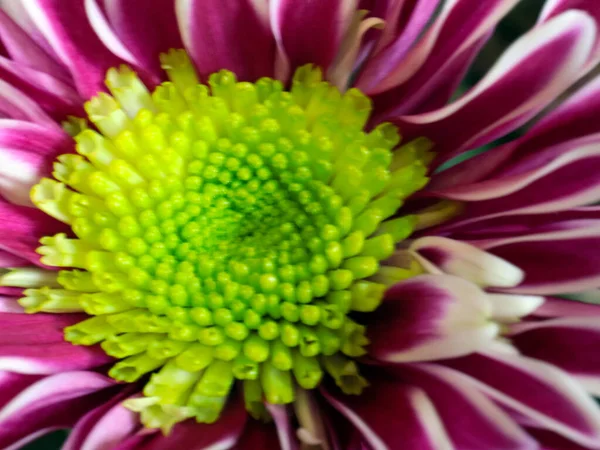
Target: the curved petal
(103, 428)
(542, 255)
(430, 317)
(34, 329)
(561, 46)
(285, 430)
(560, 307)
(53, 402)
(70, 34)
(468, 262)
(8, 259)
(27, 152)
(145, 35)
(480, 423)
(191, 435)
(228, 34)
(539, 392)
(391, 415)
(310, 32)
(566, 342)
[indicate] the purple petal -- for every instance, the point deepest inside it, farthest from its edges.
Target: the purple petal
(541, 393)
(541, 256)
(70, 34)
(228, 34)
(8, 259)
(53, 402)
(190, 435)
(469, 122)
(560, 307)
(146, 35)
(467, 261)
(568, 343)
(310, 32)
(430, 317)
(480, 424)
(391, 415)
(103, 427)
(257, 435)
(283, 423)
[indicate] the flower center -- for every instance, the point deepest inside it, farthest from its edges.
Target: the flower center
(226, 232)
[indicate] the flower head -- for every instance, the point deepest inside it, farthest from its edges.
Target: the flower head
(229, 224)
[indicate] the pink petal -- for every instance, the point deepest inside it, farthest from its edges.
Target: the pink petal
(542, 258)
(310, 32)
(228, 34)
(7, 259)
(430, 317)
(283, 423)
(103, 428)
(190, 435)
(34, 329)
(391, 415)
(70, 34)
(469, 122)
(27, 152)
(539, 392)
(53, 402)
(560, 307)
(145, 35)
(467, 261)
(23, 49)
(54, 96)
(480, 424)
(22, 229)
(9, 305)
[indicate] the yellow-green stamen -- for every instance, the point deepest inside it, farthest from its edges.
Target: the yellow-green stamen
(226, 232)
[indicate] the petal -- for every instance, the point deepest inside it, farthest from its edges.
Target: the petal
(481, 424)
(228, 34)
(22, 229)
(34, 329)
(539, 392)
(103, 428)
(10, 305)
(23, 49)
(53, 402)
(468, 262)
(568, 343)
(283, 423)
(560, 307)
(430, 317)
(391, 415)
(552, 8)
(27, 152)
(257, 435)
(542, 257)
(561, 46)
(191, 435)
(510, 308)
(7, 259)
(145, 35)
(70, 34)
(310, 32)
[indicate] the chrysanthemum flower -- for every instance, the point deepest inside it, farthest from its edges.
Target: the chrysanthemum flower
(224, 225)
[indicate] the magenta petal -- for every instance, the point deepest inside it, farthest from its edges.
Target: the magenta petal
(566, 41)
(35, 329)
(541, 393)
(22, 229)
(228, 34)
(8, 259)
(23, 49)
(283, 423)
(541, 256)
(146, 34)
(70, 34)
(567, 343)
(103, 428)
(53, 402)
(560, 307)
(391, 415)
(310, 32)
(190, 435)
(430, 317)
(480, 424)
